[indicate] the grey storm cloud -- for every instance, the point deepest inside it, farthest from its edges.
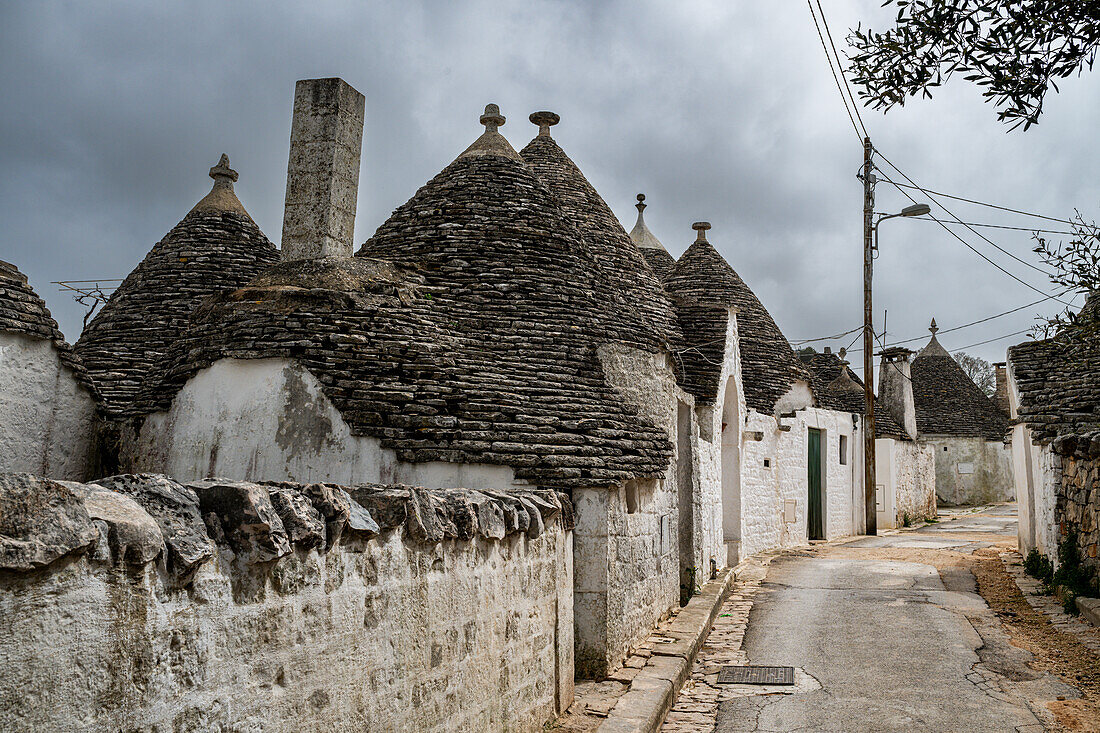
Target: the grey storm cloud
(716, 110)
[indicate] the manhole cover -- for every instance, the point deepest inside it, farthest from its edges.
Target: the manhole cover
(753, 675)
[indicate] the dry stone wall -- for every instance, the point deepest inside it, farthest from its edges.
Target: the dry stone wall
(141, 604)
(1078, 503)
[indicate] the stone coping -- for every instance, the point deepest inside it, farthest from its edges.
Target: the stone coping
(136, 519)
(656, 684)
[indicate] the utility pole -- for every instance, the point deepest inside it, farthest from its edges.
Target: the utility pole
(868, 343)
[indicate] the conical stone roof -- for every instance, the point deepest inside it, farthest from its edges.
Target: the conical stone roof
(639, 311)
(1058, 378)
(22, 311)
(216, 247)
(703, 285)
(465, 330)
(837, 388)
(947, 400)
(660, 261)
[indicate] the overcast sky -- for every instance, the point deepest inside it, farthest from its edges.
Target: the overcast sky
(723, 111)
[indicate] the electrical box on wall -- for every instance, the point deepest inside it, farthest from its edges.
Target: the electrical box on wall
(789, 513)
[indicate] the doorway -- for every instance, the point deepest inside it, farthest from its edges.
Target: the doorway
(685, 482)
(815, 515)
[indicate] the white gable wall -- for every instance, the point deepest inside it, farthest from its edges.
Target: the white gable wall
(48, 416)
(267, 420)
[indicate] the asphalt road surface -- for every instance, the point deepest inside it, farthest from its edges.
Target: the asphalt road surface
(886, 645)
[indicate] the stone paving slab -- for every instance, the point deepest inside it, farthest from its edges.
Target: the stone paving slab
(1049, 605)
(665, 662)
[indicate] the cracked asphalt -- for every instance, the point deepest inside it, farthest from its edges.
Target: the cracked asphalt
(888, 645)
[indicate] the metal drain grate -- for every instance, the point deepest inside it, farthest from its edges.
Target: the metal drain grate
(753, 675)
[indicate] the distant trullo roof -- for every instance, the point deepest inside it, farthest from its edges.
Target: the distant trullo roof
(1058, 378)
(465, 330)
(640, 312)
(23, 312)
(837, 388)
(652, 249)
(216, 247)
(703, 284)
(947, 400)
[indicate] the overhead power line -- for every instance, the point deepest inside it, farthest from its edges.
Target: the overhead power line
(836, 80)
(971, 247)
(953, 328)
(997, 226)
(992, 206)
(840, 67)
(989, 341)
(960, 221)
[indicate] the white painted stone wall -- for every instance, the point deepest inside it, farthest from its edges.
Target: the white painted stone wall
(48, 417)
(1048, 480)
(765, 489)
(268, 420)
(722, 427)
(971, 470)
(905, 481)
(379, 635)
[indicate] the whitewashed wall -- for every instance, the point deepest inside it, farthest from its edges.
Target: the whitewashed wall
(906, 471)
(48, 418)
(971, 470)
(267, 420)
(766, 488)
(381, 634)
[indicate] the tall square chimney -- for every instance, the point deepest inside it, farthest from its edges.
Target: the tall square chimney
(322, 177)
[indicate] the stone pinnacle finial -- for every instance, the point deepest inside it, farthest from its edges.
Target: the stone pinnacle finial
(222, 173)
(544, 120)
(933, 328)
(842, 353)
(640, 206)
(492, 119)
(701, 227)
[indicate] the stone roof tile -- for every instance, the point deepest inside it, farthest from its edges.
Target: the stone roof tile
(216, 247)
(1058, 378)
(22, 311)
(701, 280)
(465, 330)
(640, 312)
(947, 401)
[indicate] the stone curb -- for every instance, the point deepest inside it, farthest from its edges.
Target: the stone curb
(1048, 606)
(1090, 609)
(654, 689)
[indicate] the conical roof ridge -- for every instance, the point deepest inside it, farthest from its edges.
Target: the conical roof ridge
(516, 287)
(768, 363)
(947, 400)
(640, 311)
(215, 247)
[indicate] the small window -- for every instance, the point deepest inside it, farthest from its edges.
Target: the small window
(945, 449)
(767, 463)
(631, 497)
(844, 450)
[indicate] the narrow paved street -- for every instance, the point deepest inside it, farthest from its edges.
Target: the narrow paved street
(885, 633)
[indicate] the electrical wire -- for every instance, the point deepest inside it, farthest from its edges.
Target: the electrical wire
(960, 221)
(998, 226)
(975, 251)
(826, 338)
(840, 67)
(989, 341)
(972, 323)
(983, 203)
(829, 60)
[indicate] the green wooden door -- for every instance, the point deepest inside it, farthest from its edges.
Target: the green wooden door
(815, 524)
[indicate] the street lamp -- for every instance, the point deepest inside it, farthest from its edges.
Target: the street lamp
(914, 210)
(869, 479)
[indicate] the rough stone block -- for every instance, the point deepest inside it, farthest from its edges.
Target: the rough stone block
(40, 521)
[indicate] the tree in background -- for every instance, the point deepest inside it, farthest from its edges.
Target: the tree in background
(980, 371)
(1014, 49)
